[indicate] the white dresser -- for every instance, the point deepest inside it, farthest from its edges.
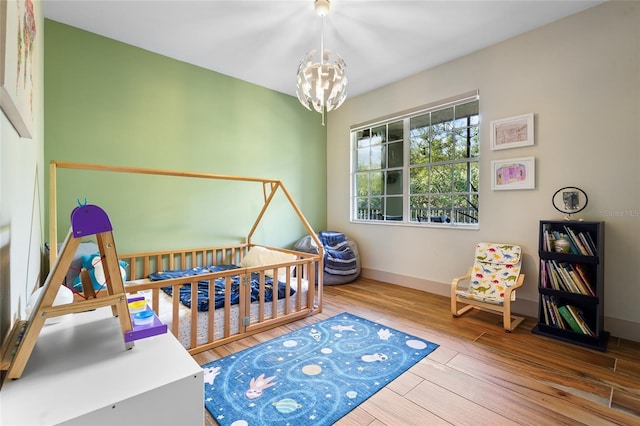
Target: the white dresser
(79, 373)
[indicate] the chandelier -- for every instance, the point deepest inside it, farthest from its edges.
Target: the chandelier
(322, 85)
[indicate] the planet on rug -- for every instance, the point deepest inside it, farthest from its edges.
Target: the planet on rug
(314, 375)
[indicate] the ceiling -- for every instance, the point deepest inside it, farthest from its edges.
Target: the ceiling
(262, 41)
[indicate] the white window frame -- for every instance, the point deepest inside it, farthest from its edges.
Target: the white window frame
(405, 116)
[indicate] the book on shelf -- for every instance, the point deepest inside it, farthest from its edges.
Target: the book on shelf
(552, 280)
(560, 277)
(583, 273)
(578, 315)
(573, 238)
(545, 311)
(551, 308)
(556, 312)
(553, 311)
(585, 243)
(581, 242)
(569, 284)
(580, 278)
(548, 280)
(573, 281)
(570, 319)
(549, 320)
(591, 243)
(549, 239)
(565, 276)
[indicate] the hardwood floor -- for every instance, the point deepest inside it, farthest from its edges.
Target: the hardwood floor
(479, 375)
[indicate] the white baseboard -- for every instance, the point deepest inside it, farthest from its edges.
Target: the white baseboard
(622, 328)
(617, 327)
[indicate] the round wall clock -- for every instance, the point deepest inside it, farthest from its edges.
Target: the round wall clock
(570, 200)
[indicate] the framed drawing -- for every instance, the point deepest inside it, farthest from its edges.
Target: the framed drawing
(512, 132)
(17, 39)
(515, 173)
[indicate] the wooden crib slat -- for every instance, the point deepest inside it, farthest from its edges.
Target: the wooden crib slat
(155, 300)
(175, 310)
(211, 317)
(276, 294)
(147, 270)
(132, 268)
(312, 286)
(298, 279)
(244, 308)
(194, 314)
(227, 306)
(261, 298)
(287, 290)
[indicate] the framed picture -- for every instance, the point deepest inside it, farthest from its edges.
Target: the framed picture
(512, 132)
(515, 173)
(570, 200)
(17, 39)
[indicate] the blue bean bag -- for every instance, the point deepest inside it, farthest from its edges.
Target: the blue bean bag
(341, 256)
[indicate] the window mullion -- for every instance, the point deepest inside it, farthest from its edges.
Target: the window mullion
(406, 149)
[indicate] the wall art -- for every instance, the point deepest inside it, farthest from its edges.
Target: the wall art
(512, 132)
(17, 46)
(514, 173)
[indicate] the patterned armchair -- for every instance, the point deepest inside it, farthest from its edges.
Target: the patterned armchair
(490, 283)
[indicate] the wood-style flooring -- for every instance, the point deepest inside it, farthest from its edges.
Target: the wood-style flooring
(479, 375)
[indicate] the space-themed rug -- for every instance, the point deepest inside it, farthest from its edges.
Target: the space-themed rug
(314, 375)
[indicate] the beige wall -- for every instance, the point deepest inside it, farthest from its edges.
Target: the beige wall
(21, 203)
(580, 76)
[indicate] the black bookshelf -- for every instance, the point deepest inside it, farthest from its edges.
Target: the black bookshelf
(582, 266)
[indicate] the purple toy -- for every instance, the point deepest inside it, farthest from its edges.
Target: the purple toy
(88, 219)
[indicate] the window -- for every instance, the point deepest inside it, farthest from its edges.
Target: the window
(420, 167)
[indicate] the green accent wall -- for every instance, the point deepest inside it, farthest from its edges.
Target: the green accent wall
(111, 103)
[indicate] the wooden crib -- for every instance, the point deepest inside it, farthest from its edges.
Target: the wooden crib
(202, 330)
(245, 295)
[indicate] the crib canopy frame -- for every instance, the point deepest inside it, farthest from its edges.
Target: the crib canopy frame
(269, 190)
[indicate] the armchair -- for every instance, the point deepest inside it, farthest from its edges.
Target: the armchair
(490, 283)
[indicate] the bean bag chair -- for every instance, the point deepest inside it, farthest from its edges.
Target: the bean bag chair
(341, 257)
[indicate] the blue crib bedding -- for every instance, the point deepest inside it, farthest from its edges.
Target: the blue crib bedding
(203, 286)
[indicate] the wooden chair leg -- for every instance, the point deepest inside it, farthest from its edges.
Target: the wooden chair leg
(509, 322)
(454, 306)
(457, 312)
(454, 300)
(506, 316)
